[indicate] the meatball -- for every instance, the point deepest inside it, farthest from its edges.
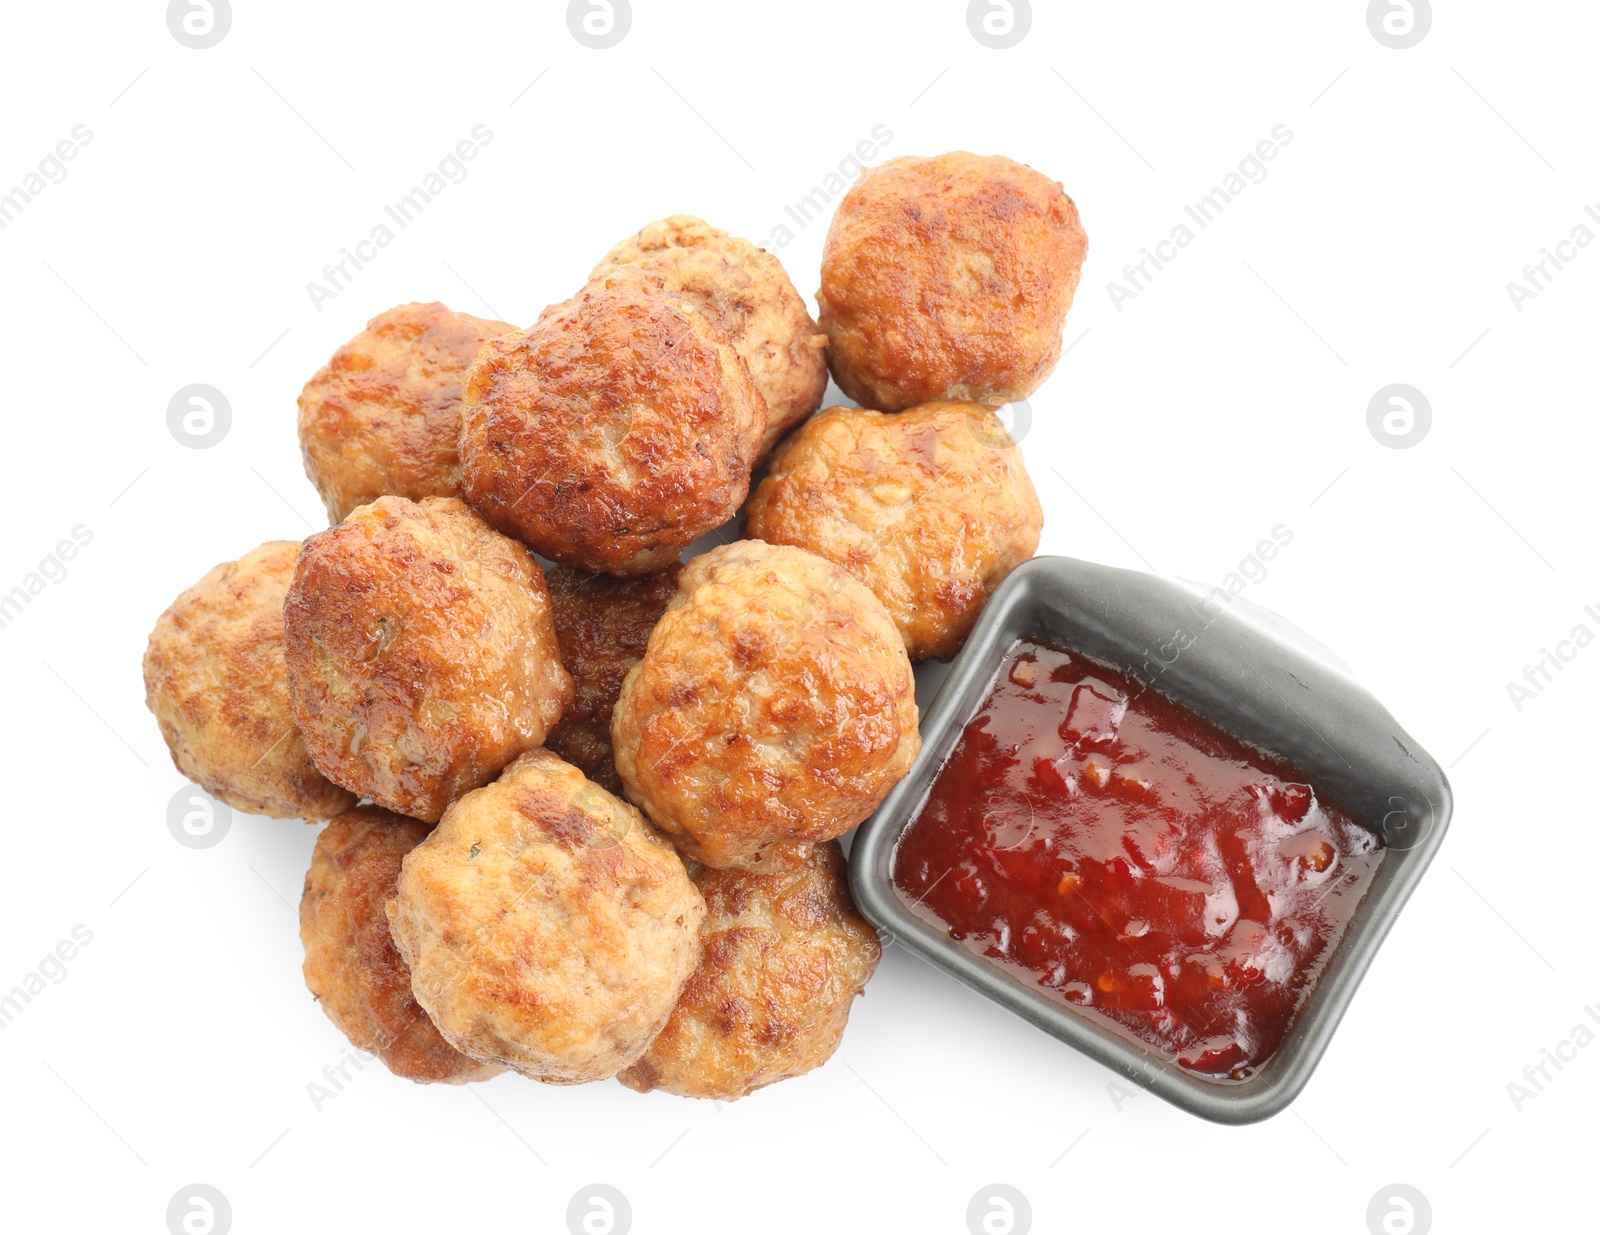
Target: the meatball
(422, 656)
(774, 705)
(931, 508)
(603, 624)
(783, 954)
(215, 679)
(351, 965)
(616, 430)
(548, 927)
(948, 278)
(745, 293)
(382, 416)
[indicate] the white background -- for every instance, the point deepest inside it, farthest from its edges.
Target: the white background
(1174, 435)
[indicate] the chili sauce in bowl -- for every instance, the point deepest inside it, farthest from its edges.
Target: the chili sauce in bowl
(1092, 837)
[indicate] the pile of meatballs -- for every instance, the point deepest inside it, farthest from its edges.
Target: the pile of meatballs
(585, 798)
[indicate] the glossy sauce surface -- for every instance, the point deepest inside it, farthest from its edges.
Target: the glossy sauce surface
(1102, 842)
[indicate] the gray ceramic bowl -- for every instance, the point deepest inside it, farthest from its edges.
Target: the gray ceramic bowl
(1255, 686)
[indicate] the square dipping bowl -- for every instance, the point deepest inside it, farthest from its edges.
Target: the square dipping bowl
(1211, 658)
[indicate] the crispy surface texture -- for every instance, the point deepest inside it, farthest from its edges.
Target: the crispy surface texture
(603, 624)
(215, 679)
(351, 965)
(422, 655)
(931, 508)
(548, 928)
(617, 429)
(948, 278)
(774, 705)
(783, 955)
(384, 414)
(746, 294)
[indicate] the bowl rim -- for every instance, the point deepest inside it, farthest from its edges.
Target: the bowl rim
(1237, 676)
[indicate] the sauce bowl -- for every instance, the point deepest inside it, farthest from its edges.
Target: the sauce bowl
(1264, 690)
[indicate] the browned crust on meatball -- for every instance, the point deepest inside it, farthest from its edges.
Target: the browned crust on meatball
(783, 956)
(603, 624)
(617, 429)
(748, 296)
(384, 414)
(351, 964)
(774, 704)
(548, 928)
(422, 656)
(948, 278)
(931, 508)
(215, 679)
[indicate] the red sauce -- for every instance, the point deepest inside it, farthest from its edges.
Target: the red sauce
(1098, 840)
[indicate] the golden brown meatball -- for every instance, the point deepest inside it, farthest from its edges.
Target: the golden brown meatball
(783, 955)
(617, 429)
(351, 965)
(774, 705)
(603, 624)
(548, 927)
(931, 508)
(382, 417)
(214, 677)
(422, 657)
(948, 278)
(747, 295)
